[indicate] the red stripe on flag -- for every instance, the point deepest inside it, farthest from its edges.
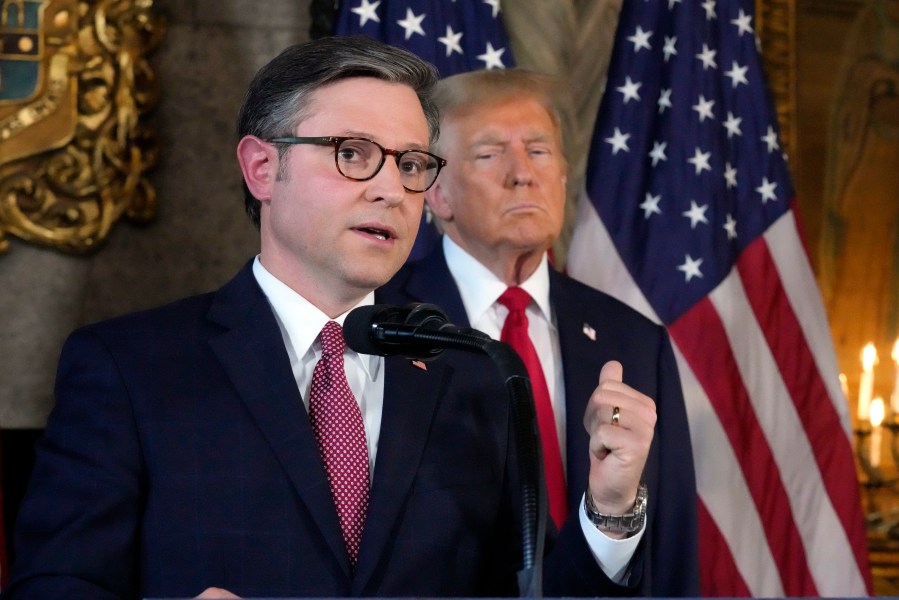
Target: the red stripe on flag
(718, 574)
(797, 366)
(701, 337)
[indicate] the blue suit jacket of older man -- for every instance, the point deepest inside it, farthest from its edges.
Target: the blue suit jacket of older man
(179, 456)
(594, 328)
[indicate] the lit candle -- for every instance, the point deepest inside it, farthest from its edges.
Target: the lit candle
(894, 400)
(877, 410)
(866, 388)
(844, 385)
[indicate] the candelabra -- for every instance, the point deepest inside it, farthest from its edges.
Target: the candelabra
(877, 454)
(880, 486)
(879, 478)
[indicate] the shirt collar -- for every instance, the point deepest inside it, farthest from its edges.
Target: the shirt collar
(480, 288)
(301, 321)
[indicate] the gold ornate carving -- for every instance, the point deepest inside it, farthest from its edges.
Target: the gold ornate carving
(776, 28)
(75, 88)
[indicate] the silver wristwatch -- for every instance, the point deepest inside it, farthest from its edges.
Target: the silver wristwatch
(627, 523)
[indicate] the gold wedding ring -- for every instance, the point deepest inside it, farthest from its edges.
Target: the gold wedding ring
(616, 415)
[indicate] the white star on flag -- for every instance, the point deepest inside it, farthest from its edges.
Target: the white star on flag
(664, 100)
(492, 57)
(412, 23)
(704, 108)
(657, 153)
(669, 49)
(737, 74)
(640, 39)
(732, 124)
(451, 41)
(619, 141)
(629, 90)
(730, 226)
(767, 190)
(707, 56)
(367, 11)
(743, 23)
(650, 206)
(696, 214)
(730, 175)
(700, 160)
(690, 268)
(770, 139)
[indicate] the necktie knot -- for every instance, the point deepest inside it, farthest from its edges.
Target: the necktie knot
(515, 299)
(332, 339)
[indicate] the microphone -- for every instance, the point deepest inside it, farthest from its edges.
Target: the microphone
(422, 331)
(418, 331)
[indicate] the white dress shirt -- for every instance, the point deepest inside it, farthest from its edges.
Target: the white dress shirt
(301, 323)
(480, 289)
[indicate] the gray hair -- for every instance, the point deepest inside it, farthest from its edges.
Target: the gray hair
(279, 95)
(456, 94)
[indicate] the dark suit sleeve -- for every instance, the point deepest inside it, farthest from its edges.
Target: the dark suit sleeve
(85, 547)
(570, 570)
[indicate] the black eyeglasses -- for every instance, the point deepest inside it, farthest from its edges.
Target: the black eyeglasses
(360, 159)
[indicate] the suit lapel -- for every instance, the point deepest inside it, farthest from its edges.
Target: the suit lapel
(584, 351)
(253, 355)
(411, 396)
(431, 278)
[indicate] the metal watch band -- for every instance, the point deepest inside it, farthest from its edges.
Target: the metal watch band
(627, 523)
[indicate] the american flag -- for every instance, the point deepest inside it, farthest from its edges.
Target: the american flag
(689, 215)
(457, 36)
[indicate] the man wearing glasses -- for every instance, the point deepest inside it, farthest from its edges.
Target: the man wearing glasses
(229, 443)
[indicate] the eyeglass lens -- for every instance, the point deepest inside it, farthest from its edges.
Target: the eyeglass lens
(361, 159)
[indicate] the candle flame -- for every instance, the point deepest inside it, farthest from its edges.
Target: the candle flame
(895, 354)
(844, 384)
(869, 356)
(877, 411)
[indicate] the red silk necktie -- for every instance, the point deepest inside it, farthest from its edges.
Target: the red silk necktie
(337, 423)
(515, 333)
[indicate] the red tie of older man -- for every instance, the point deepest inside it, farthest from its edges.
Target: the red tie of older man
(515, 333)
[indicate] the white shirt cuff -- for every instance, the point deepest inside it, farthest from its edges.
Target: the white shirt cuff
(612, 556)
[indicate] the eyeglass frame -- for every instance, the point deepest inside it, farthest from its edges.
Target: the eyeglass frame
(336, 141)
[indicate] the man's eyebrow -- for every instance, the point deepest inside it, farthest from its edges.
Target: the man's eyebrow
(487, 140)
(494, 140)
(369, 136)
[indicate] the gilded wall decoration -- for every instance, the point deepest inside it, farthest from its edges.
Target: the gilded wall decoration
(75, 147)
(776, 28)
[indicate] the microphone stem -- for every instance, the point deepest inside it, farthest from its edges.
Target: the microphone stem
(523, 418)
(530, 466)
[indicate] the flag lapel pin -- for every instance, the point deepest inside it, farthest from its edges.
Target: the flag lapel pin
(421, 365)
(589, 332)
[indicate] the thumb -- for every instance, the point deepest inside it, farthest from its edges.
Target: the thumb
(611, 371)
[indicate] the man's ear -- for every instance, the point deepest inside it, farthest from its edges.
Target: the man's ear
(438, 204)
(259, 164)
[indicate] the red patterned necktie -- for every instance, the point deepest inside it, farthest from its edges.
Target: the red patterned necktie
(515, 333)
(337, 422)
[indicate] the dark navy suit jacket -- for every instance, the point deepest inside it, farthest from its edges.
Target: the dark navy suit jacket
(667, 560)
(179, 456)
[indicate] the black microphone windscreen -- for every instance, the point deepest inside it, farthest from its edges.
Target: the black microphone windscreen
(358, 325)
